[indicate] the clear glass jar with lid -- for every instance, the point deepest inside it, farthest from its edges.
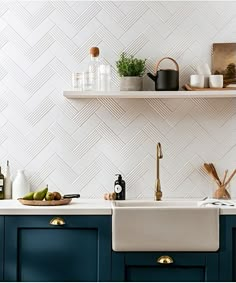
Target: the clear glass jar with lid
(93, 69)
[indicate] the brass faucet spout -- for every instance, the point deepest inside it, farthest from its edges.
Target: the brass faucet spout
(158, 192)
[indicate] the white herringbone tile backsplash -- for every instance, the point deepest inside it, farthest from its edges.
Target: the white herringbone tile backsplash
(78, 145)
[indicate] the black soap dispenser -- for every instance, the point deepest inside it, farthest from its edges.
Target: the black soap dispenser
(119, 188)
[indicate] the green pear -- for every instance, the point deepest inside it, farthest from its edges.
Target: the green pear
(29, 196)
(40, 195)
(49, 196)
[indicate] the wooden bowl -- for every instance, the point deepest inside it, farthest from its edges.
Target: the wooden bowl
(63, 201)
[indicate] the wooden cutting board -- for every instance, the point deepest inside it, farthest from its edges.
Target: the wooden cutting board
(64, 201)
(188, 87)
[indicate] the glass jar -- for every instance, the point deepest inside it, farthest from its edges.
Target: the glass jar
(87, 83)
(77, 81)
(93, 69)
(104, 77)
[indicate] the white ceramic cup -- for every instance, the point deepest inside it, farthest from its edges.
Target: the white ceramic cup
(197, 81)
(216, 81)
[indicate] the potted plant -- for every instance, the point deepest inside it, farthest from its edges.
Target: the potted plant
(131, 71)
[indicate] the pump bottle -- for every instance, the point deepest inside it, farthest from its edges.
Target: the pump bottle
(119, 188)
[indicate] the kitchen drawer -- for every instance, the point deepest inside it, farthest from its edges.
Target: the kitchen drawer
(79, 250)
(143, 267)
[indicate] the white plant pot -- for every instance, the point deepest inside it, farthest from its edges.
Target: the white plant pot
(131, 83)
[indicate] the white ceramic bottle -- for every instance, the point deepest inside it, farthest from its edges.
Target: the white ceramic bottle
(20, 185)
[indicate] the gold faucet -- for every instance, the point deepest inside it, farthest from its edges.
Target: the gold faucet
(158, 192)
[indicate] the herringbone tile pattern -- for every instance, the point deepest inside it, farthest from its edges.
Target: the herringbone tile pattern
(78, 145)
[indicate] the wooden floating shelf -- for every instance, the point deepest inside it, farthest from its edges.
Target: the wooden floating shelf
(74, 94)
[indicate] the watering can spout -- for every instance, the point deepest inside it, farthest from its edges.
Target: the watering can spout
(151, 76)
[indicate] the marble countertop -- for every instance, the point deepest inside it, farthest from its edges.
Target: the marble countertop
(84, 207)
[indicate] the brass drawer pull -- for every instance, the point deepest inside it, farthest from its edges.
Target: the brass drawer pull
(57, 221)
(165, 259)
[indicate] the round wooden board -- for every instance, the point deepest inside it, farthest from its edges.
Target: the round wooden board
(45, 202)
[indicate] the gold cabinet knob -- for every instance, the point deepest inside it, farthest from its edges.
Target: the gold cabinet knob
(57, 221)
(165, 259)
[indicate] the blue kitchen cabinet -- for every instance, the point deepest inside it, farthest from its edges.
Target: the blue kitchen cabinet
(144, 267)
(35, 250)
(1, 246)
(227, 252)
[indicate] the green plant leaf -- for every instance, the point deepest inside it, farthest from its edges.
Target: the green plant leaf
(129, 66)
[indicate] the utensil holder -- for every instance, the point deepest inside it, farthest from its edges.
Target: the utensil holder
(222, 192)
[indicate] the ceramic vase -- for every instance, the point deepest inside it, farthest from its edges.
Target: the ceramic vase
(20, 185)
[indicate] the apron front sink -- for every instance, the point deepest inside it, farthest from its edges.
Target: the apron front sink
(164, 226)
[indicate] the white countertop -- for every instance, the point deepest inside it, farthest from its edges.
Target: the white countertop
(76, 207)
(81, 207)
(228, 211)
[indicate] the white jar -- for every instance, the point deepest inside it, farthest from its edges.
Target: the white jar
(20, 185)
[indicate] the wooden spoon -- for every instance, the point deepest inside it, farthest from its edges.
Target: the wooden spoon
(215, 173)
(209, 170)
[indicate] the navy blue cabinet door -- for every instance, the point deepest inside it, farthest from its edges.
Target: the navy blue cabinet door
(143, 267)
(228, 248)
(1, 246)
(80, 250)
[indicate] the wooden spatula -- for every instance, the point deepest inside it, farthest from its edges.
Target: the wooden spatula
(208, 168)
(215, 173)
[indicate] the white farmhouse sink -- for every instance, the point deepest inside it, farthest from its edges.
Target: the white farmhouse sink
(149, 203)
(164, 226)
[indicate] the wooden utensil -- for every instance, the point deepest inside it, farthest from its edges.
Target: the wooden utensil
(225, 175)
(221, 192)
(215, 173)
(230, 177)
(209, 170)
